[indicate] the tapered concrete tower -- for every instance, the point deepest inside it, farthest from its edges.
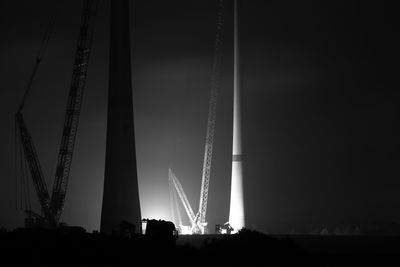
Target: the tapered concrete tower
(236, 211)
(121, 192)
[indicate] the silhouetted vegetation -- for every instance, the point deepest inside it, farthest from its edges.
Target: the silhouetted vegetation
(249, 246)
(73, 246)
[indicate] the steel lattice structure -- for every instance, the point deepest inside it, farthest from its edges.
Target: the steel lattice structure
(212, 113)
(52, 207)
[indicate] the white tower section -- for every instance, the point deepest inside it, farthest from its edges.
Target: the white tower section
(236, 211)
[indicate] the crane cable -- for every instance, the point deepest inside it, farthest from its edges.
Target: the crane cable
(22, 185)
(16, 156)
(27, 190)
(40, 54)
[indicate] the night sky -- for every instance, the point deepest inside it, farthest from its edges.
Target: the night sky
(320, 97)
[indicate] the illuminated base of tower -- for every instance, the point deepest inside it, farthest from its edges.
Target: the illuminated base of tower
(236, 211)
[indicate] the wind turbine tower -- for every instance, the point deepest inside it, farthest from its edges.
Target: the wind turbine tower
(236, 211)
(121, 192)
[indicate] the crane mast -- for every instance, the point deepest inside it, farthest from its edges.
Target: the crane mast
(52, 208)
(212, 111)
(71, 120)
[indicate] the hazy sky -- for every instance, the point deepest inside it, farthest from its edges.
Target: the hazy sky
(319, 108)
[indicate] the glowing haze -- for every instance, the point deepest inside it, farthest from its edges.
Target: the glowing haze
(319, 103)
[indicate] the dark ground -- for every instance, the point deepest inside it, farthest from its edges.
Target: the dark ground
(248, 248)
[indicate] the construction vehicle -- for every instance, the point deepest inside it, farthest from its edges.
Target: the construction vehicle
(226, 228)
(159, 233)
(52, 208)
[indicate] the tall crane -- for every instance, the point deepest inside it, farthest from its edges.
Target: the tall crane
(52, 207)
(198, 221)
(71, 120)
(212, 112)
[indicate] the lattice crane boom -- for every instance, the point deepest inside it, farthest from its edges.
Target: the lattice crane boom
(53, 207)
(212, 111)
(71, 120)
(175, 211)
(34, 165)
(182, 196)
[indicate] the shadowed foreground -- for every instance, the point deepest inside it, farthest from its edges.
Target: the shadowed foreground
(75, 247)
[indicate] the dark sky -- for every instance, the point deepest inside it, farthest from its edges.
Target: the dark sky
(319, 108)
